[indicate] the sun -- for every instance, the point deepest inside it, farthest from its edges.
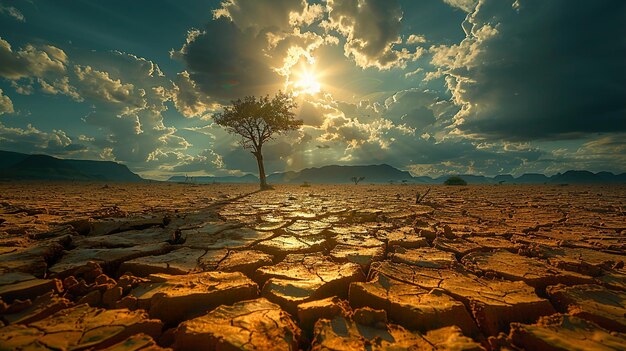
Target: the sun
(306, 82)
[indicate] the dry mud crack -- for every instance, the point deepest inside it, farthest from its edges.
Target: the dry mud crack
(190, 267)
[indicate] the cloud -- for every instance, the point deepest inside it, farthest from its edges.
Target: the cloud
(263, 15)
(228, 65)
(128, 96)
(60, 86)
(99, 85)
(12, 12)
(30, 61)
(416, 39)
(372, 30)
(312, 114)
(6, 105)
(525, 71)
(465, 5)
(414, 108)
(189, 100)
(33, 140)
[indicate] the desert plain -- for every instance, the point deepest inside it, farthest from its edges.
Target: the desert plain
(94, 266)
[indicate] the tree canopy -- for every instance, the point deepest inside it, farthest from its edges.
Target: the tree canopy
(258, 120)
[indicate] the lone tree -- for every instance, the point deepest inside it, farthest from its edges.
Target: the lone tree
(258, 120)
(455, 180)
(356, 180)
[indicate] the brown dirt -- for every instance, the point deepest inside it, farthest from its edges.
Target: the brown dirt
(183, 266)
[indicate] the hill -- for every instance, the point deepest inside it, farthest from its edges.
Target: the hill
(342, 174)
(18, 166)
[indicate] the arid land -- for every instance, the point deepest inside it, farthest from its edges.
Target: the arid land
(325, 267)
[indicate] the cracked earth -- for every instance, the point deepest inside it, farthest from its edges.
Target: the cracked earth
(221, 267)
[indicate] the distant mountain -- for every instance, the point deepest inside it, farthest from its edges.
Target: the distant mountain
(342, 174)
(532, 178)
(574, 177)
(569, 177)
(248, 178)
(383, 174)
(18, 166)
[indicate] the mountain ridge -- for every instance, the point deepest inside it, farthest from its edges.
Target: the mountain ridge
(383, 173)
(19, 166)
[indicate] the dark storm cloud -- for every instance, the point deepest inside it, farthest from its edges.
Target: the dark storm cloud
(539, 69)
(226, 62)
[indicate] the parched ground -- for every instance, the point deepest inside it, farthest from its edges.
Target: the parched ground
(326, 267)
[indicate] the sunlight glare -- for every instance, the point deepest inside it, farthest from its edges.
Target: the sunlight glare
(306, 83)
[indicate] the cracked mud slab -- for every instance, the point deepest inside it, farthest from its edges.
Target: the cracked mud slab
(78, 327)
(605, 307)
(493, 303)
(530, 270)
(411, 306)
(174, 298)
(248, 325)
(303, 278)
(424, 257)
(182, 261)
(369, 329)
(564, 332)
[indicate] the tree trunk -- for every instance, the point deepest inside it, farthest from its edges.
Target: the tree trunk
(259, 161)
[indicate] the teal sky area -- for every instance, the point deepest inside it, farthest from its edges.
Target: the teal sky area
(432, 87)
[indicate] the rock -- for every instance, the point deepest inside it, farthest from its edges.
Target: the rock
(424, 257)
(328, 308)
(42, 307)
(78, 327)
(304, 278)
(78, 258)
(246, 262)
(93, 298)
(411, 306)
(532, 271)
(342, 333)
(111, 296)
(363, 256)
(605, 307)
(25, 286)
(181, 261)
(493, 303)
(137, 342)
(563, 333)
(248, 325)
(452, 338)
(173, 298)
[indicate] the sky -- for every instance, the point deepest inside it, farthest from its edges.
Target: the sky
(433, 87)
